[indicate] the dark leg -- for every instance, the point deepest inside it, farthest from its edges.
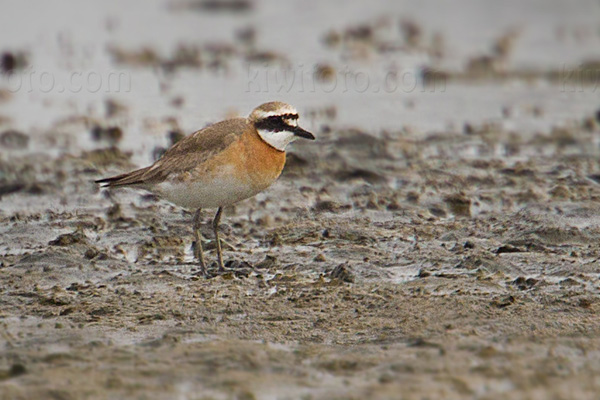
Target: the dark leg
(218, 241)
(198, 253)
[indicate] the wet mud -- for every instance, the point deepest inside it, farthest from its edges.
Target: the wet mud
(401, 262)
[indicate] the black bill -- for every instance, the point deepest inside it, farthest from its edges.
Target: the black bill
(302, 133)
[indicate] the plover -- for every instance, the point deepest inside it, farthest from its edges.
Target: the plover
(220, 165)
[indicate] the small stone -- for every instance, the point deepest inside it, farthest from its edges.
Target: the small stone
(246, 35)
(12, 61)
(15, 140)
(319, 258)
(11, 188)
(275, 240)
(17, 369)
(111, 134)
(245, 395)
(423, 273)
(459, 205)
(266, 221)
(232, 6)
(324, 73)
(269, 262)
(584, 302)
(386, 378)
(488, 352)
(326, 205)
(91, 253)
(507, 248)
(590, 124)
(175, 136)
(342, 272)
(105, 157)
(394, 205)
(333, 38)
(114, 108)
(560, 192)
(468, 129)
(437, 211)
(503, 302)
(412, 197)
(114, 213)
(569, 282)
(68, 239)
(177, 101)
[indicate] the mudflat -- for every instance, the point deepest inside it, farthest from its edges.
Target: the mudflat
(412, 258)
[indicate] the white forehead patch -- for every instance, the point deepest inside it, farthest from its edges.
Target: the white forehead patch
(291, 121)
(279, 140)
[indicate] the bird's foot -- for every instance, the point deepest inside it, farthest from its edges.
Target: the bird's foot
(225, 245)
(232, 269)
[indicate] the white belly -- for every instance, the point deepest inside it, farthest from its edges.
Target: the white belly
(212, 194)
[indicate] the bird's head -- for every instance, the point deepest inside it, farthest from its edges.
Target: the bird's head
(277, 124)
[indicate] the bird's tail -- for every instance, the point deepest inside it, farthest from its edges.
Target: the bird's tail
(127, 179)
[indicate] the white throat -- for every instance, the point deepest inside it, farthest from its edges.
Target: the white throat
(279, 140)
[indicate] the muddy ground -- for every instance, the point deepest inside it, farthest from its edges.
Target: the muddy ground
(470, 276)
(391, 259)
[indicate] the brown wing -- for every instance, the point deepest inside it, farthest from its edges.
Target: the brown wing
(185, 154)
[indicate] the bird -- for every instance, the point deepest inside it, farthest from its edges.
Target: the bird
(220, 165)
